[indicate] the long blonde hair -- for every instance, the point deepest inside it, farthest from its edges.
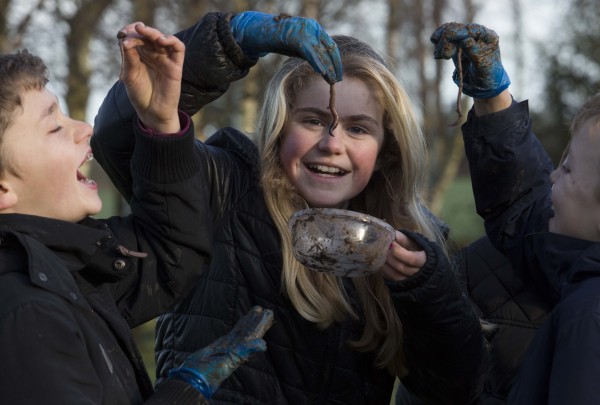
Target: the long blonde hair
(393, 194)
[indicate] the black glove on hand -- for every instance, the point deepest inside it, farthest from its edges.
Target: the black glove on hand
(206, 368)
(483, 75)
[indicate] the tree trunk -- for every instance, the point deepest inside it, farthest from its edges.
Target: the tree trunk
(82, 27)
(447, 150)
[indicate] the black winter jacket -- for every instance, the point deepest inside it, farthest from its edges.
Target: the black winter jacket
(303, 365)
(69, 293)
(511, 310)
(562, 363)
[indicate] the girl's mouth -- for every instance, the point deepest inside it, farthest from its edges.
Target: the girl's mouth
(323, 170)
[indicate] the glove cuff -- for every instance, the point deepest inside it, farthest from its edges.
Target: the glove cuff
(192, 377)
(484, 92)
(231, 47)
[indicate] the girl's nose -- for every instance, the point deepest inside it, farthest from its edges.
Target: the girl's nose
(334, 142)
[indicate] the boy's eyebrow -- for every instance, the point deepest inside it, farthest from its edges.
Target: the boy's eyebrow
(50, 110)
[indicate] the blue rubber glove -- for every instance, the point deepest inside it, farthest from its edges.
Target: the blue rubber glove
(259, 34)
(482, 72)
(207, 368)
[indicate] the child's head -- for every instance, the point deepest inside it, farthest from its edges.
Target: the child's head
(393, 175)
(41, 149)
(576, 182)
(374, 163)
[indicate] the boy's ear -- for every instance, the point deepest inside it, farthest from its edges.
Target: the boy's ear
(8, 198)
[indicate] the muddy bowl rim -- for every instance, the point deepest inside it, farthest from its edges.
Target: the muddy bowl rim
(339, 213)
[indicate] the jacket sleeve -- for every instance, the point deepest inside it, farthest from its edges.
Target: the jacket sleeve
(510, 174)
(170, 222)
(442, 338)
(213, 60)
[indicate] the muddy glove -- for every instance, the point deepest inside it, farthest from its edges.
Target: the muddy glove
(482, 73)
(206, 368)
(259, 34)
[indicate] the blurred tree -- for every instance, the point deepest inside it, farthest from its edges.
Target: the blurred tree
(571, 65)
(409, 26)
(4, 6)
(87, 30)
(11, 34)
(81, 27)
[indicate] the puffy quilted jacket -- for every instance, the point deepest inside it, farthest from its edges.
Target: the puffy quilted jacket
(511, 310)
(302, 365)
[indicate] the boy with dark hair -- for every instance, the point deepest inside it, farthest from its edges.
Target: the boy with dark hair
(72, 286)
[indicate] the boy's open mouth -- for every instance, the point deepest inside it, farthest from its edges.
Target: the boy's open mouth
(80, 176)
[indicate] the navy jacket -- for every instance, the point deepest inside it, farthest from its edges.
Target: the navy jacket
(563, 361)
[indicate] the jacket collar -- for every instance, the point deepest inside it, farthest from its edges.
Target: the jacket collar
(87, 249)
(74, 243)
(564, 260)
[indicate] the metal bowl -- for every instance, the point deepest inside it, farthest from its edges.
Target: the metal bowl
(342, 242)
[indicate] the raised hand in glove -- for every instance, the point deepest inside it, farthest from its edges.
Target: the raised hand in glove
(483, 75)
(259, 34)
(207, 368)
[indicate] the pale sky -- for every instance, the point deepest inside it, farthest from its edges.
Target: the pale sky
(539, 18)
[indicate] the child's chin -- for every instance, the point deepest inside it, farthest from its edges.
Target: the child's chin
(95, 208)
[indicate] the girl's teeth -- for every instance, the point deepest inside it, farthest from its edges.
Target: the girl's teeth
(90, 157)
(326, 169)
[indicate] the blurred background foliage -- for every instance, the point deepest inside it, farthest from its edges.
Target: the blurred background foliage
(77, 39)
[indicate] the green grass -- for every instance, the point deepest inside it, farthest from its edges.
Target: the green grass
(144, 337)
(458, 211)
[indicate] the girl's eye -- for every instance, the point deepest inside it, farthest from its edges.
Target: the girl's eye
(357, 130)
(57, 129)
(313, 122)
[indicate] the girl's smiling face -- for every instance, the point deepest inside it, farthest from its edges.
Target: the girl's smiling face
(330, 170)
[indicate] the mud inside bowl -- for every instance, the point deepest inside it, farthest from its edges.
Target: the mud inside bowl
(342, 242)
